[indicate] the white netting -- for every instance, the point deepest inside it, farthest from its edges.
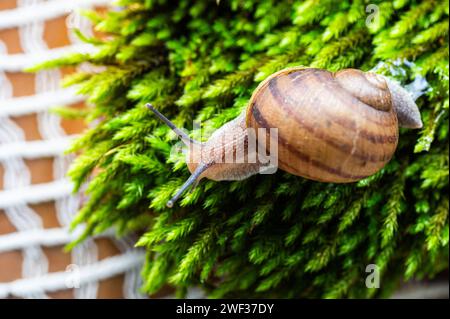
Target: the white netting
(18, 193)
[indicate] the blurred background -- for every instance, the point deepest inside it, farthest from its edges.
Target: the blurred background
(36, 204)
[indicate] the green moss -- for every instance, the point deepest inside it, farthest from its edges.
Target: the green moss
(267, 236)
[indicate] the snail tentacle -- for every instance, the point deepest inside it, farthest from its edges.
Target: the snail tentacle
(191, 181)
(183, 136)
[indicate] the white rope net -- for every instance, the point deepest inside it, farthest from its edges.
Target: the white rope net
(18, 193)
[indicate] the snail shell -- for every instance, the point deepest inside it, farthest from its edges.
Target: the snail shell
(332, 127)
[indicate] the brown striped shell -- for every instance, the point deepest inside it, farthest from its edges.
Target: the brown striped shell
(332, 127)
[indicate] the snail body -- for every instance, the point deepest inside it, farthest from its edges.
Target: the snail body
(332, 127)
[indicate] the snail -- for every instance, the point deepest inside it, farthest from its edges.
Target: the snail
(337, 127)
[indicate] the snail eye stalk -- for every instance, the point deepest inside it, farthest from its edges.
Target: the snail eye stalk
(192, 180)
(183, 136)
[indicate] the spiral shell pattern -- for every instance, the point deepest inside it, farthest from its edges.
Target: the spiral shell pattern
(332, 127)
